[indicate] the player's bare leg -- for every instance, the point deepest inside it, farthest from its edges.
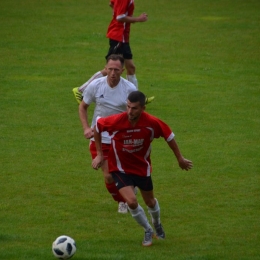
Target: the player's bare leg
(130, 75)
(112, 189)
(138, 213)
(154, 211)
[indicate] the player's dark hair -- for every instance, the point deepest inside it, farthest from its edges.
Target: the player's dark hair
(116, 57)
(137, 96)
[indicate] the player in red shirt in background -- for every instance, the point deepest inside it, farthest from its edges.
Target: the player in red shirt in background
(129, 158)
(119, 33)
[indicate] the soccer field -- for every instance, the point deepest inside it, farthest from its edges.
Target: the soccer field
(201, 61)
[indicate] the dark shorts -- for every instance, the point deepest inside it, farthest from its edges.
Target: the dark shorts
(120, 48)
(123, 180)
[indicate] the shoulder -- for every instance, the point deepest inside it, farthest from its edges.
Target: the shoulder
(97, 83)
(160, 128)
(120, 3)
(148, 116)
(95, 87)
(113, 120)
(117, 117)
(153, 120)
(127, 84)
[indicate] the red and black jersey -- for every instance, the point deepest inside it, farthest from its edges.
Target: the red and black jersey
(131, 146)
(119, 31)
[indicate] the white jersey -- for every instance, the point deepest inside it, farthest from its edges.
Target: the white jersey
(109, 101)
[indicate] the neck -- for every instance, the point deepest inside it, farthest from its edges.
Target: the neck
(113, 83)
(133, 121)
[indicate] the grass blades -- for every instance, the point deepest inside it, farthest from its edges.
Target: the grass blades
(200, 59)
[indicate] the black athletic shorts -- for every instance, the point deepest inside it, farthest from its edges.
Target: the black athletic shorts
(123, 180)
(120, 48)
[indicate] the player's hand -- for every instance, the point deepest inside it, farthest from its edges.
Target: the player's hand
(97, 162)
(185, 164)
(111, 4)
(143, 17)
(89, 133)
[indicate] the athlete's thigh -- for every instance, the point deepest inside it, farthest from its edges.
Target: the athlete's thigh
(107, 176)
(145, 185)
(125, 185)
(148, 197)
(113, 46)
(130, 67)
(128, 194)
(121, 48)
(126, 51)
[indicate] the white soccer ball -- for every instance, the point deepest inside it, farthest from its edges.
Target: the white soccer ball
(64, 247)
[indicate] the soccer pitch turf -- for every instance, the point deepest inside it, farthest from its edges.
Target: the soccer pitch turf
(201, 61)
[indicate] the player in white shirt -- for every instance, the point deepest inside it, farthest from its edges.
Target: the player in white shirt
(110, 96)
(118, 34)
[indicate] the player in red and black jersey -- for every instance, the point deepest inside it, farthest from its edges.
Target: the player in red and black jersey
(132, 133)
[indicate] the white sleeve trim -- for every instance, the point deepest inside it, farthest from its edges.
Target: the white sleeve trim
(121, 16)
(171, 136)
(96, 123)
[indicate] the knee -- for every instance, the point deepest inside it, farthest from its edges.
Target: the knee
(108, 178)
(130, 69)
(132, 203)
(151, 203)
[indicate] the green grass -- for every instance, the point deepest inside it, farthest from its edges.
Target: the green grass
(201, 59)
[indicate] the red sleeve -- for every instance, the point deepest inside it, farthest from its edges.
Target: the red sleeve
(100, 124)
(120, 7)
(161, 129)
(108, 123)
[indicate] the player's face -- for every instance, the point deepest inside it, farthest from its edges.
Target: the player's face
(114, 70)
(134, 111)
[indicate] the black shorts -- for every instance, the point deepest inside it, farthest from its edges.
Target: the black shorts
(123, 180)
(120, 48)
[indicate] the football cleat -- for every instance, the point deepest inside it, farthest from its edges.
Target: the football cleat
(77, 95)
(160, 234)
(148, 238)
(149, 99)
(122, 207)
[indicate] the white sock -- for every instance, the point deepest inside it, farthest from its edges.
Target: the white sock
(155, 213)
(95, 76)
(133, 79)
(140, 217)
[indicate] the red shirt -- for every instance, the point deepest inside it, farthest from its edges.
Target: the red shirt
(131, 146)
(119, 31)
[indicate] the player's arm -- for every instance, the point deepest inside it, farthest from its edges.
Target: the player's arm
(185, 164)
(83, 115)
(130, 19)
(97, 161)
(111, 3)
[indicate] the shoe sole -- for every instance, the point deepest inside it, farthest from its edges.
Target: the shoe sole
(154, 236)
(158, 237)
(146, 245)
